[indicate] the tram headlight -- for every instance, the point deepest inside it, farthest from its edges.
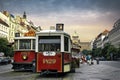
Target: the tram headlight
(24, 57)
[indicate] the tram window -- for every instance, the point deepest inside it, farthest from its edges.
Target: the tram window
(33, 44)
(16, 44)
(25, 44)
(49, 43)
(49, 47)
(66, 44)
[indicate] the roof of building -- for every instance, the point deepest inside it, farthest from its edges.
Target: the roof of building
(105, 32)
(118, 21)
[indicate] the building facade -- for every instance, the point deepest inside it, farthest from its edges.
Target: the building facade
(75, 45)
(4, 26)
(85, 46)
(10, 25)
(114, 34)
(101, 40)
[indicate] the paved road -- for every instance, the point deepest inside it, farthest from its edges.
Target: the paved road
(106, 70)
(5, 68)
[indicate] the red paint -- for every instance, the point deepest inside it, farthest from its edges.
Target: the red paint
(67, 58)
(49, 62)
(52, 62)
(18, 56)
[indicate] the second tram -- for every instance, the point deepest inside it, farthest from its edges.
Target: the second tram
(24, 53)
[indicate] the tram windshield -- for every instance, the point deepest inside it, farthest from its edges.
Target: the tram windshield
(49, 43)
(24, 44)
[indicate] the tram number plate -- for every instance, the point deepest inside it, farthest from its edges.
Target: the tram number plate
(49, 61)
(49, 53)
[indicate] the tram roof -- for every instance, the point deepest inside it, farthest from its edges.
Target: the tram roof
(24, 37)
(52, 32)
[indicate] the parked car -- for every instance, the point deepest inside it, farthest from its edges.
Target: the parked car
(0, 60)
(8, 59)
(100, 58)
(5, 60)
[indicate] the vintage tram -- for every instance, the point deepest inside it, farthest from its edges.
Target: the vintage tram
(24, 53)
(48, 51)
(53, 50)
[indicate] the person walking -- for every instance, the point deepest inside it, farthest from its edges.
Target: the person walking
(97, 60)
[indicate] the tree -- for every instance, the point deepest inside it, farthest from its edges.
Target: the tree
(97, 52)
(8, 51)
(111, 52)
(118, 52)
(105, 50)
(85, 52)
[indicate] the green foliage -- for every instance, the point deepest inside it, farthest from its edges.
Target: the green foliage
(7, 50)
(97, 52)
(118, 52)
(107, 51)
(86, 52)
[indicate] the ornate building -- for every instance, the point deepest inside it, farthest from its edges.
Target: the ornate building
(10, 24)
(75, 44)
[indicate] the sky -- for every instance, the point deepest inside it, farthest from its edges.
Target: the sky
(86, 17)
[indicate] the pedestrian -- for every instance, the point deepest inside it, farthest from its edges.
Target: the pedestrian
(97, 60)
(92, 60)
(88, 59)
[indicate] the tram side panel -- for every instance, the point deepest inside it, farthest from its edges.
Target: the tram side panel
(67, 62)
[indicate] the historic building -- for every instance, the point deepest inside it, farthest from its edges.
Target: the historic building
(10, 25)
(75, 44)
(101, 40)
(85, 46)
(114, 34)
(4, 26)
(22, 25)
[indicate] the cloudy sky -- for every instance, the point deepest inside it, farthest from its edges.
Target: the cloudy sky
(87, 17)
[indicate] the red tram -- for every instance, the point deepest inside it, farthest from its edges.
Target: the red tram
(53, 49)
(24, 53)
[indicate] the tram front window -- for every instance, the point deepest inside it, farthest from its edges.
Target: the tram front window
(25, 44)
(16, 44)
(49, 43)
